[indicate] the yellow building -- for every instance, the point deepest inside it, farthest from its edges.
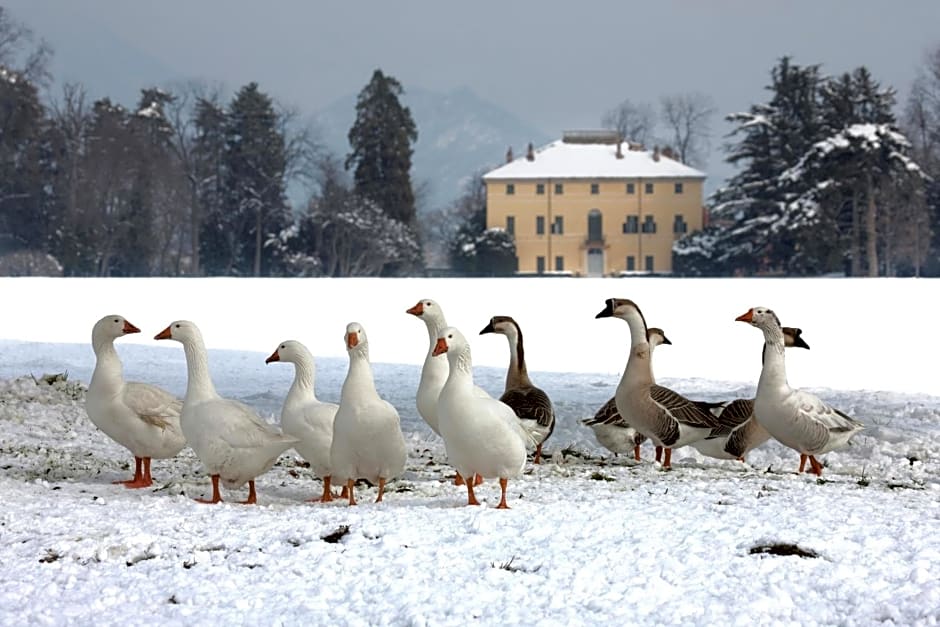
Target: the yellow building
(592, 205)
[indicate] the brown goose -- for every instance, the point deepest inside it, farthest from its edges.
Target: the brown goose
(611, 430)
(531, 404)
(669, 419)
(741, 432)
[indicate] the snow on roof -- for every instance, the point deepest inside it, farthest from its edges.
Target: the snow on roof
(577, 160)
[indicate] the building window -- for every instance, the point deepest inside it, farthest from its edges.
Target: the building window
(511, 225)
(679, 225)
(649, 263)
(678, 188)
(632, 225)
(631, 263)
(558, 228)
(595, 226)
(540, 264)
(631, 188)
(649, 224)
(595, 188)
(648, 189)
(540, 225)
(540, 189)
(510, 189)
(559, 189)
(559, 263)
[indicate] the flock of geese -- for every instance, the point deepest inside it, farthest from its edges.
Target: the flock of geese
(484, 437)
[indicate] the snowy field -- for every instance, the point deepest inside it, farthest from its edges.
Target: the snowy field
(590, 539)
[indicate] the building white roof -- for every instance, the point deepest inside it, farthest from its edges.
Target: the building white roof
(577, 160)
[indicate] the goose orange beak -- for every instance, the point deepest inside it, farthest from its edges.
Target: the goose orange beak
(746, 317)
(417, 310)
(163, 335)
(440, 348)
(352, 340)
(275, 356)
(129, 328)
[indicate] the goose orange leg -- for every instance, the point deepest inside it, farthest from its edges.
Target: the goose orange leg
(471, 497)
(503, 483)
(378, 499)
(349, 488)
(252, 496)
(802, 461)
(216, 495)
(815, 465)
(659, 453)
(141, 477)
(667, 461)
(538, 454)
(327, 495)
(458, 480)
(636, 452)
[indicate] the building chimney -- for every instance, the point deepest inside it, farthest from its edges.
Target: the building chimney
(620, 150)
(530, 153)
(509, 155)
(668, 153)
(655, 153)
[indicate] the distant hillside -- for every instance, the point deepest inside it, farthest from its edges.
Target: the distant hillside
(458, 134)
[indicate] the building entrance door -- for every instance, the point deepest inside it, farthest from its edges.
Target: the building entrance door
(595, 262)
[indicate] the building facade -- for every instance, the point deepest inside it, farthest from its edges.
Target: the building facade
(592, 205)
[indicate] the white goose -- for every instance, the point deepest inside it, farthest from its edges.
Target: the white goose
(435, 369)
(611, 430)
(796, 418)
(531, 404)
(367, 438)
(740, 431)
(305, 417)
(667, 418)
(482, 436)
(229, 438)
(141, 417)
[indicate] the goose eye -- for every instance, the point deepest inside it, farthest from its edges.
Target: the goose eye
(177, 326)
(116, 321)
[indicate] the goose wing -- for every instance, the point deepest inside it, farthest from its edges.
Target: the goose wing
(153, 405)
(530, 403)
(813, 409)
(681, 409)
(607, 415)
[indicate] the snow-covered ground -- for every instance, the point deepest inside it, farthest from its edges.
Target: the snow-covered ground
(589, 540)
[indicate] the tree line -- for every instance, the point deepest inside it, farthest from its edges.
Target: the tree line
(186, 184)
(829, 180)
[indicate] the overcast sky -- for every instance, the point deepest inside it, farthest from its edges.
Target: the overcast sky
(559, 65)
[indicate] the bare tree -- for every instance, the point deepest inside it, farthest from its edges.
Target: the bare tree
(19, 50)
(634, 122)
(687, 118)
(301, 146)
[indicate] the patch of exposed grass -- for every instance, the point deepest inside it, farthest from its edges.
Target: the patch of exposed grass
(782, 548)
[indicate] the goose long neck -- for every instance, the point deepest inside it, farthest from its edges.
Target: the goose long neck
(434, 325)
(774, 371)
(639, 368)
(461, 368)
(517, 375)
(304, 377)
(108, 367)
(360, 374)
(198, 382)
